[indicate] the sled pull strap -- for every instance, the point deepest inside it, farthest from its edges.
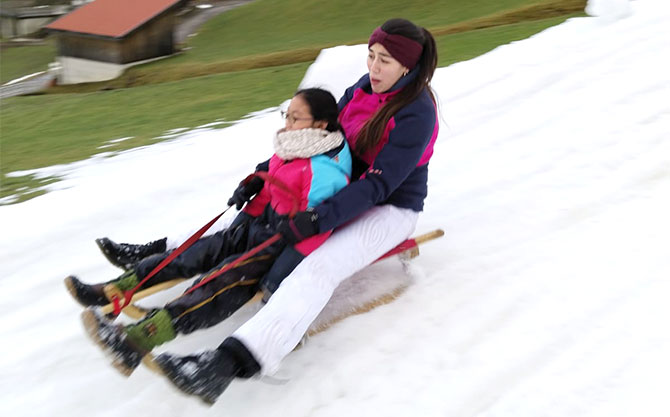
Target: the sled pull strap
(228, 267)
(295, 199)
(128, 295)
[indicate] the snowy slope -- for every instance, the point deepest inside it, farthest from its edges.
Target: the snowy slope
(548, 296)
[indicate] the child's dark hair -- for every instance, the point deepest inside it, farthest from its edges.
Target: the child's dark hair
(322, 105)
(372, 131)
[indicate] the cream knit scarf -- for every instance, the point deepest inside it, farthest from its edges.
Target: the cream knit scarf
(305, 143)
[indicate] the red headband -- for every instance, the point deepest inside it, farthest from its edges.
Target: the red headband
(404, 50)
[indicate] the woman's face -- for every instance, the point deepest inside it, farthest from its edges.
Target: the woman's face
(384, 70)
(299, 116)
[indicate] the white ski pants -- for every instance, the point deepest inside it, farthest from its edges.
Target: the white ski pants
(278, 327)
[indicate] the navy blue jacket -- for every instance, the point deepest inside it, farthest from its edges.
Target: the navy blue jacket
(396, 172)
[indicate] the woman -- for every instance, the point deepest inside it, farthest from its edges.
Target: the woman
(390, 120)
(311, 162)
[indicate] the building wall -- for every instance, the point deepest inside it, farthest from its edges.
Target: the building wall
(13, 26)
(21, 21)
(33, 24)
(7, 27)
(152, 40)
(87, 47)
(79, 70)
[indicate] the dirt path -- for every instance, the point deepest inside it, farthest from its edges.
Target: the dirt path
(197, 17)
(31, 85)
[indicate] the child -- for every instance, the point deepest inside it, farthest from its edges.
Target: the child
(311, 163)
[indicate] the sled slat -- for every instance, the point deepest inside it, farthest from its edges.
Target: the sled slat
(429, 236)
(407, 250)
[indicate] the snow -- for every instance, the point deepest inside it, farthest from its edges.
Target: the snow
(609, 9)
(546, 297)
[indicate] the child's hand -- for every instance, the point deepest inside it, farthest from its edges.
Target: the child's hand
(245, 191)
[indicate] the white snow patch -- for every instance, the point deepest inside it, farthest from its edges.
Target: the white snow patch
(609, 9)
(113, 142)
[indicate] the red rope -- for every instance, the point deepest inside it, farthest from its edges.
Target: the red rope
(296, 200)
(236, 262)
(128, 295)
(295, 197)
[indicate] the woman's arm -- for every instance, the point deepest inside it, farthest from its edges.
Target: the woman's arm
(414, 127)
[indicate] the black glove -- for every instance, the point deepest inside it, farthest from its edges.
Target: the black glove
(300, 227)
(245, 191)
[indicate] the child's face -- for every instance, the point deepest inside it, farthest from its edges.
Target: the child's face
(298, 116)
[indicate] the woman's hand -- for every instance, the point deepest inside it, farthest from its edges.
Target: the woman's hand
(303, 225)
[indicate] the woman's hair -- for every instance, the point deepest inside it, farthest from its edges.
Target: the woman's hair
(322, 105)
(372, 131)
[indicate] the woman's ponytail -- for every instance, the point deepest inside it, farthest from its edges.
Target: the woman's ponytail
(428, 59)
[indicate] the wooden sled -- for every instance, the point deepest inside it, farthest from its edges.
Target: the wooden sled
(329, 316)
(406, 250)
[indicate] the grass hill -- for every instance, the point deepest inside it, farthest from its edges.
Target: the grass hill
(244, 60)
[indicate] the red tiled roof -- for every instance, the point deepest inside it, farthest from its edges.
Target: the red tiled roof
(111, 18)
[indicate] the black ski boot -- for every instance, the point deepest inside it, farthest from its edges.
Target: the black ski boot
(125, 355)
(207, 374)
(91, 295)
(125, 255)
(85, 294)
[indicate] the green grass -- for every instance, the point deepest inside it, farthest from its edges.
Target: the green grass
(52, 129)
(43, 130)
(18, 61)
(57, 128)
(239, 40)
(281, 25)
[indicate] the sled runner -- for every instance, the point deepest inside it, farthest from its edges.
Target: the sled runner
(405, 250)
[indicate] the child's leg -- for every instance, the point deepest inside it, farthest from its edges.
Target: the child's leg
(220, 298)
(204, 307)
(202, 256)
(127, 255)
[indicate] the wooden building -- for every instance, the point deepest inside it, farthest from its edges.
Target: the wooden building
(26, 21)
(99, 40)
